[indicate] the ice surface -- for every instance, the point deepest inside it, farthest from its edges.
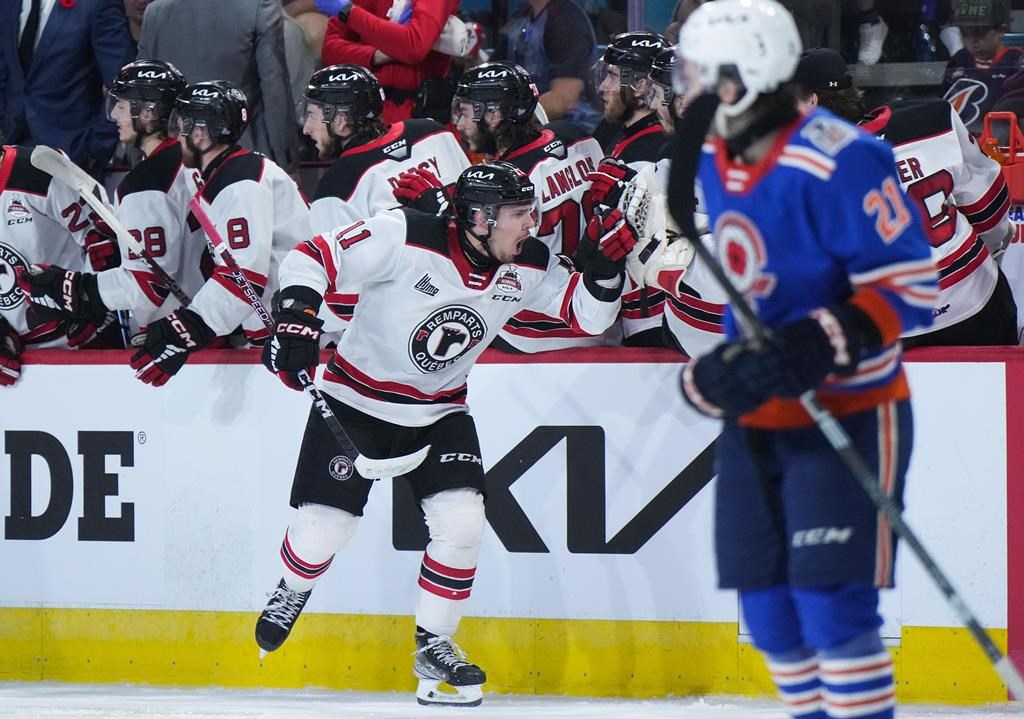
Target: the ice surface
(47, 700)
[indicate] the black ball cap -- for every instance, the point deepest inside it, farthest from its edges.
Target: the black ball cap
(822, 70)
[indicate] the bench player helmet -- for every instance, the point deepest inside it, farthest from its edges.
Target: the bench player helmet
(504, 85)
(348, 89)
(754, 42)
(486, 188)
(217, 105)
(146, 84)
(631, 52)
(662, 73)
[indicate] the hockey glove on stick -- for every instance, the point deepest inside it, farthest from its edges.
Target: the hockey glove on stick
(101, 245)
(737, 377)
(56, 294)
(10, 354)
(295, 344)
(421, 190)
(608, 181)
(168, 343)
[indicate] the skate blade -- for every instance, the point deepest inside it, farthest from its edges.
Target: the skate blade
(428, 694)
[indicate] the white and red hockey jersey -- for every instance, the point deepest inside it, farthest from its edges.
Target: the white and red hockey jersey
(425, 314)
(640, 145)
(695, 302)
(557, 163)
(261, 215)
(360, 183)
(44, 222)
(962, 196)
(152, 204)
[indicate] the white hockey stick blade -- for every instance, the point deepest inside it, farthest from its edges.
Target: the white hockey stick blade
(61, 167)
(390, 466)
(1011, 677)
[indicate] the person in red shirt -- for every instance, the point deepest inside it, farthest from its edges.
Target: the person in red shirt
(394, 39)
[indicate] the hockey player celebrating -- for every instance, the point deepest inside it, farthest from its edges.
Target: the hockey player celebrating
(341, 112)
(812, 228)
(622, 79)
(47, 223)
(494, 107)
(436, 291)
(694, 301)
(960, 192)
(151, 202)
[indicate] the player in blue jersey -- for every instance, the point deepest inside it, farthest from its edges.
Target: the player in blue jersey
(811, 226)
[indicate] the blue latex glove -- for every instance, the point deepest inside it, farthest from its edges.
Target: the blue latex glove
(333, 7)
(406, 15)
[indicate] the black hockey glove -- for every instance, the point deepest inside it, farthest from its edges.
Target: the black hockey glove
(603, 249)
(10, 354)
(737, 377)
(168, 343)
(295, 345)
(608, 181)
(421, 190)
(66, 297)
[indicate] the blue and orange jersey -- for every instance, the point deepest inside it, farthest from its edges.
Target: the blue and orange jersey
(821, 220)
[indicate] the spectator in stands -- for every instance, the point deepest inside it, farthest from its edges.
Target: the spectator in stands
(554, 41)
(135, 9)
(313, 24)
(975, 76)
(55, 58)
(394, 38)
(242, 42)
(680, 12)
(872, 32)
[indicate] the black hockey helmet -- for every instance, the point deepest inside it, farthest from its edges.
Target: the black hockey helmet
(662, 72)
(343, 88)
(153, 84)
(217, 105)
(504, 85)
(631, 52)
(487, 187)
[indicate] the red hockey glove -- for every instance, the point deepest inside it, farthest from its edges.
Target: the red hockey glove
(10, 354)
(421, 190)
(101, 245)
(608, 181)
(168, 343)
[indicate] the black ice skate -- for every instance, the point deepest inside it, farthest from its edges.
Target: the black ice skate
(277, 620)
(439, 659)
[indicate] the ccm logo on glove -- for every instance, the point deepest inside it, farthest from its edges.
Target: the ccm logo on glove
(294, 328)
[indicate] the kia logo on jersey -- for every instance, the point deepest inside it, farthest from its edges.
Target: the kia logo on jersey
(444, 337)
(742, 253)
(10, 263)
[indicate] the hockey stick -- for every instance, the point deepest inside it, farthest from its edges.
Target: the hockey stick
(685, 159)
(367, 467)
(62, 168)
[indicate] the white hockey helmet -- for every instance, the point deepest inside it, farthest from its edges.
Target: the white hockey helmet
(754, 40)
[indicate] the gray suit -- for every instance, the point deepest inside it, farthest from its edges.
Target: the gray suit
(240, 41)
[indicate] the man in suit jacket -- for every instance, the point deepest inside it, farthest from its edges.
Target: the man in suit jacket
(240, 41)
(52, 89)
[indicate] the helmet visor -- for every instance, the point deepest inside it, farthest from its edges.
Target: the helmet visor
(307, 110)
(181, 123)
(512, 216)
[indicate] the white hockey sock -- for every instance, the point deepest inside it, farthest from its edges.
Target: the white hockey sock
(455, 520)
(309, 545)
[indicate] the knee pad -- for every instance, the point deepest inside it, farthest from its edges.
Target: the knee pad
(832, 617)
(319, 531)
(455, 518)
(772, 620)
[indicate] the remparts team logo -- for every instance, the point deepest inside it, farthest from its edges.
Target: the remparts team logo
(341, 468)
(444, 337)
(10, 263)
